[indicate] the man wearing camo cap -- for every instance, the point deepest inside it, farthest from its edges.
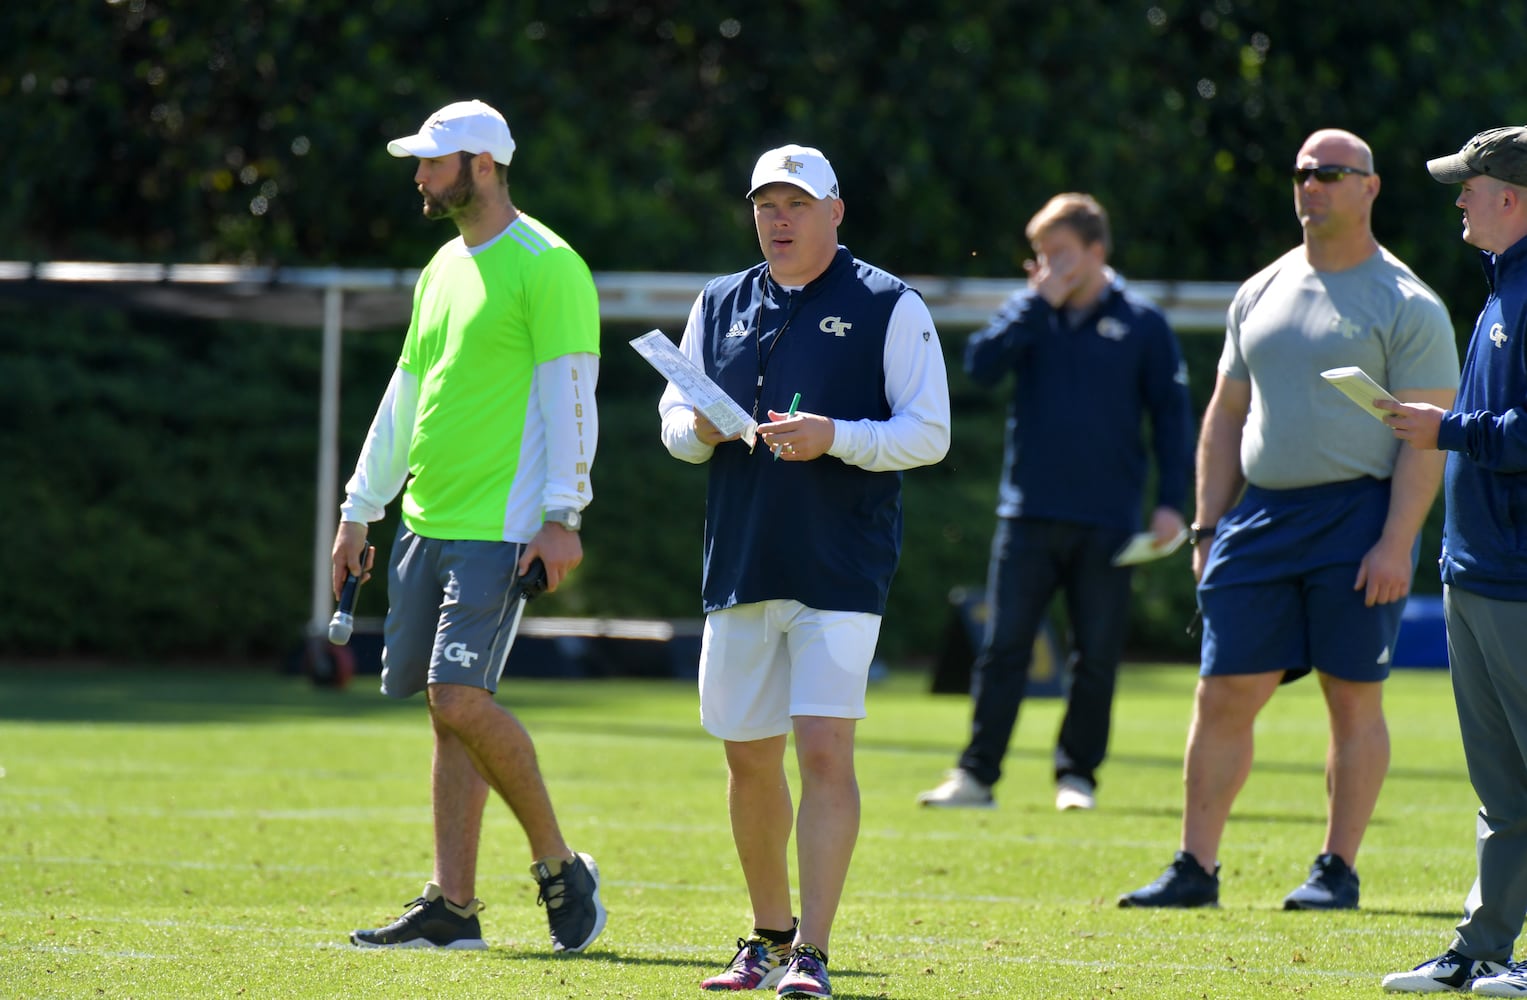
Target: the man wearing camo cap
(1484, 564)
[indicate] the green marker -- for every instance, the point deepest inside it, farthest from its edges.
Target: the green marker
(793, 404)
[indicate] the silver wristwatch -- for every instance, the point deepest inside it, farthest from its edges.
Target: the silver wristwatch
(570, 519)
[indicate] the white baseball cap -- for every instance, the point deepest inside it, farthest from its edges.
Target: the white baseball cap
(802, 166)
(463, 127)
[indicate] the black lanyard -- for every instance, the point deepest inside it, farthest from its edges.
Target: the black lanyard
(763, 359)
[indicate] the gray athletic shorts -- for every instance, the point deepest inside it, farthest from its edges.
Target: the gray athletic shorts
(453, 612)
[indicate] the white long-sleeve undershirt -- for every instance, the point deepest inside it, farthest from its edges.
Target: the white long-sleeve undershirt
(916, 386)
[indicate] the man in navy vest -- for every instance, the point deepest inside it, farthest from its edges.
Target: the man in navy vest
(840, 365)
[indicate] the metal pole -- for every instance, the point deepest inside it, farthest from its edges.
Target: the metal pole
(326, 514)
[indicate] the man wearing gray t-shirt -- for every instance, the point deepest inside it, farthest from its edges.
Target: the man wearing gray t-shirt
(1308, 517)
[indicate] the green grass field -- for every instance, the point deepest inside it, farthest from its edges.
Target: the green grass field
(217, 833)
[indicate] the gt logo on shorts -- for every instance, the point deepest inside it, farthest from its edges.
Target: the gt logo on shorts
(457, 652)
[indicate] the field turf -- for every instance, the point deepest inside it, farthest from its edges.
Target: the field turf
(215, 832)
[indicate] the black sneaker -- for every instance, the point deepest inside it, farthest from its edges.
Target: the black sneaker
(1331, 886)
(571, 897)
(1184, 883)
(431, 921)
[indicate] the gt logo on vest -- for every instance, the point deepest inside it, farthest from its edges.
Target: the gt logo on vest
(1498, 335)
(457, 652)
(835, 326)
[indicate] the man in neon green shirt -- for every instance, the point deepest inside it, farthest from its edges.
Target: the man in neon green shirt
(488, 427)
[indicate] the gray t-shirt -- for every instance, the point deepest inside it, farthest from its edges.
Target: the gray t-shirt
(1290, 322)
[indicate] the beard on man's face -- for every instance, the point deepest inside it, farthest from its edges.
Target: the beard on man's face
(453, 200)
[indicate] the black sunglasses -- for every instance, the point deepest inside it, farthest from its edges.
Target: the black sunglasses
(1326, 174)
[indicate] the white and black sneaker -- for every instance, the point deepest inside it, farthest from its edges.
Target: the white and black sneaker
(1511, 983)
(431, 921)
(1449, 972)
(570, 893)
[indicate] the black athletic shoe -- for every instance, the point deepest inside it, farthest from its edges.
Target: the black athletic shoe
(1184, 883)
(1331, 886)
(571, 897)
(431, 921)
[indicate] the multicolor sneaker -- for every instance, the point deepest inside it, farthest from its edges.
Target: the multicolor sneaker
(570, 893)
(758, 965)
(1184, 883)
(1511, 983)
(431, 921)
(1447, 972)
(959, 790)
(1332, 885)
(806, 976)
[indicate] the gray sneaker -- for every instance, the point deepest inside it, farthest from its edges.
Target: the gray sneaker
(1444, 974)
(960, 790)
(570, 893)
(1073, 791)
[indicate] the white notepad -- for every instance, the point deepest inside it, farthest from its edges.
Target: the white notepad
(1359, 387)
(698, 389)
(1141, 547)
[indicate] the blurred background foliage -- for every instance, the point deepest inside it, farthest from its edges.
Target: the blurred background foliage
(159, 471)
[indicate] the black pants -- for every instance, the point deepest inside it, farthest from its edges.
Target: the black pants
(1030, 561)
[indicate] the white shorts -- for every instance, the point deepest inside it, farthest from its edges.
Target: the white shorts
(761, 664)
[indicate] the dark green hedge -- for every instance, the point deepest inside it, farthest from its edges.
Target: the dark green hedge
(253, 131)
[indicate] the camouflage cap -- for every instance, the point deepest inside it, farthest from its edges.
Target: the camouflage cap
(1498, 152)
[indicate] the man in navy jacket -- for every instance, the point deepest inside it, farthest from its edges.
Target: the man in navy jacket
(1090, 361)
(1484, 563)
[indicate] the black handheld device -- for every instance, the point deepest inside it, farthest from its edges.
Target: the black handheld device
(343, 622)
(533, 583)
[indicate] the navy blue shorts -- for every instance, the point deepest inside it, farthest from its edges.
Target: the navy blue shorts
(1277, 594)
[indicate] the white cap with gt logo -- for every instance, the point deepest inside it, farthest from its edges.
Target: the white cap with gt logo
(803, 166)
